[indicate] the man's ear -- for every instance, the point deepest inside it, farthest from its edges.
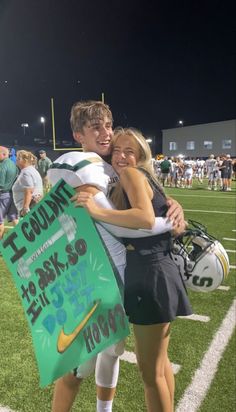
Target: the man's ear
(78, 137)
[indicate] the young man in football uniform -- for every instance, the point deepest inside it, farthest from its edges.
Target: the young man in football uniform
(91, 123)
(211, 169)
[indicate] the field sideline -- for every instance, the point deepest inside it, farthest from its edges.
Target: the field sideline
(202, 348)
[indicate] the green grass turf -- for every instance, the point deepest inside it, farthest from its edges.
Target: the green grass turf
(19, 382)
(222, 395)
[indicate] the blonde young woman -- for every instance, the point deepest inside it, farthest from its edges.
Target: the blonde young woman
(154, 291)
(28, 188)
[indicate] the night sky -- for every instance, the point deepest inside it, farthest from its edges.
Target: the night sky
(155, 61)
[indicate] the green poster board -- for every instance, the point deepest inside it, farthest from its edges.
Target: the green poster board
(66, 284)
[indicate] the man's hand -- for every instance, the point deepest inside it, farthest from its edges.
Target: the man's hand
(179, 229)
(175, 213)
(86, 200)
(24, 211)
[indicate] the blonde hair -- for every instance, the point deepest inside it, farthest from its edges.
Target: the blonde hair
(144, 162)
(28, 157)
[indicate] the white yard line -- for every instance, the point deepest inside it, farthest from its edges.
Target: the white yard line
(226, 288)
(232, 266)
(4, 409)
(200, 318)
(205, 197)
(230, 251)
(128, 357)
(209, 211)
(131, 358)
(229, 238)
(204, 375)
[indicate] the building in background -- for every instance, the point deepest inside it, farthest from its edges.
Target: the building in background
(200, 140)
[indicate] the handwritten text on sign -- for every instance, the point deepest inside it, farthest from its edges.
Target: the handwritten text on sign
(66, 284)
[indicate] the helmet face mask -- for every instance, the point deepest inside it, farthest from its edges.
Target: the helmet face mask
(202, 260)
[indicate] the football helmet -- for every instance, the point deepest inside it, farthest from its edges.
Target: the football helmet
(202, 260)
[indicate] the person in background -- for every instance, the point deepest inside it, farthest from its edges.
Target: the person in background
(8, 175)
(12, 154)
(165, 166)
(28, 187)
(44, 164)
(188, 173)
(200, 163)
(180, 171)
(154, 291)
(157, 168)
(211, 169)
(218, 178)
(234, 168)
(226, 172)
(229, 170)
(173, 172)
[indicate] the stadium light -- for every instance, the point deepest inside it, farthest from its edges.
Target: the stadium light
(181, 123)
(43, 120)
(24, 126)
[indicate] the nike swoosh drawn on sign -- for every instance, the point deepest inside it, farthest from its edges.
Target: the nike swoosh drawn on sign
(65, 340)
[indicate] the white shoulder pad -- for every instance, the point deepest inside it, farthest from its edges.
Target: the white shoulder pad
(79, 168)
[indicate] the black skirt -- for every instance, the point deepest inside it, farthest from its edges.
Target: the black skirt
(154, 289)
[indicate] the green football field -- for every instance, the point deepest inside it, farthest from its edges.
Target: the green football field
(202, 348)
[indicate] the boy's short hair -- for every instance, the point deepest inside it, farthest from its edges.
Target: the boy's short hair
(83, 112)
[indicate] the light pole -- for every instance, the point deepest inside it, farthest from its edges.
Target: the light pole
(24, 126)
(43, 120)
(152, 142)
(181, 123)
